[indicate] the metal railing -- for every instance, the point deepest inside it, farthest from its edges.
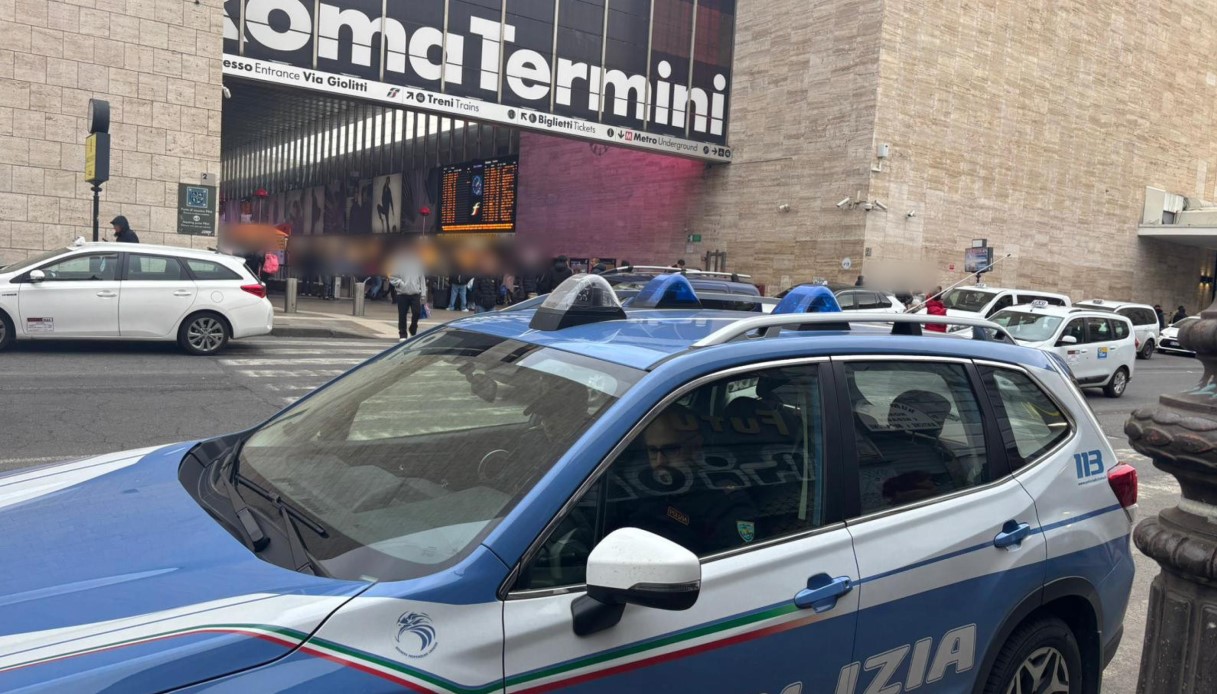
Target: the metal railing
(902, 323)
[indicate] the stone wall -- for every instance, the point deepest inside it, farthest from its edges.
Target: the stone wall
(158, 64)
(1037, 125)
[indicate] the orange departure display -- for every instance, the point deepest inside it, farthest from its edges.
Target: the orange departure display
(479, 196)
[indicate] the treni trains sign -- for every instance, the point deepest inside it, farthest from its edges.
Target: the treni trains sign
(651, 74)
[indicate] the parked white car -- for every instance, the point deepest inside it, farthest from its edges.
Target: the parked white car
(122, 291)
(984, 301)
(1169, 339)
(1098, 345)
(1144, 322)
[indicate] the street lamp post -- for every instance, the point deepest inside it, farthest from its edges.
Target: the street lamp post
(1180, 435)
(97, 154)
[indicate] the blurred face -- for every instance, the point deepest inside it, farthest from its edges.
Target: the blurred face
(668, 446)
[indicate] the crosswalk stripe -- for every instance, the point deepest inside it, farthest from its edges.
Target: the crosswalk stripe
(288, 361)
(319, 342)
(280, 373)
(323, 352)
(280, 387)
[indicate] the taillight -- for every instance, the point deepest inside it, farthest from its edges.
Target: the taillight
(257, 290)
(1123, 481)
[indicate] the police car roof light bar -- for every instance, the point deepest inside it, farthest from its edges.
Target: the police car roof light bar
(578, 300)
(772, 325)
(667, 291)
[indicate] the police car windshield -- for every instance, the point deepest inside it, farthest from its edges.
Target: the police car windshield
(972, 300)
(1027, 327)
(411, 459)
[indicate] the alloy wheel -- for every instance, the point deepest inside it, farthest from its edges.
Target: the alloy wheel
(1043, 672)
(205, 334)
(1119, 382)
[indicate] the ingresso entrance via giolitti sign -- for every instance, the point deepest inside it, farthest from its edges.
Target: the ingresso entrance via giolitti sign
(649, 74)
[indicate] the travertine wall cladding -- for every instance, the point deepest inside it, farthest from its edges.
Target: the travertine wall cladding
(158, 64)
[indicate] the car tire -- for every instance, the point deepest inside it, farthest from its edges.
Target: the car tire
(1148, 350)
(1118, 383)
(8, 333)
(203, 334)
(1039, 653)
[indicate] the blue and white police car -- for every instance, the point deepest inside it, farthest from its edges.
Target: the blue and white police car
(588, 499)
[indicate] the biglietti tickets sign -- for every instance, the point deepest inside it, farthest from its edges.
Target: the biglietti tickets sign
(651, 74)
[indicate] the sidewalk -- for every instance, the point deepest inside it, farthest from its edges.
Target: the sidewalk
(320, 318)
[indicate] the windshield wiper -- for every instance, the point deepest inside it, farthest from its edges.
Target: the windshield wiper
(248, 523)
(302, 561)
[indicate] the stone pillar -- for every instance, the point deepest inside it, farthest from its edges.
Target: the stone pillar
(1180, 435)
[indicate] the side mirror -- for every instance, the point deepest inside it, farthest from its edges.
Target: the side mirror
(1067, 340)
(37, 276)
(635, 567)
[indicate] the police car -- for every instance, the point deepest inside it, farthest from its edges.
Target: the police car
(1099, 346)
(581, 498)
(123, 291)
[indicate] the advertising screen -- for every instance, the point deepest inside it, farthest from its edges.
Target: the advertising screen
(479, 197)
(977, 259)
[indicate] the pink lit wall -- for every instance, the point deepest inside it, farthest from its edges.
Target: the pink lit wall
(620, 204)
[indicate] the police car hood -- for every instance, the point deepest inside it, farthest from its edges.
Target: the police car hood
(113, 577)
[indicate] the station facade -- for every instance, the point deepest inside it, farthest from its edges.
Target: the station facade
(793, 140)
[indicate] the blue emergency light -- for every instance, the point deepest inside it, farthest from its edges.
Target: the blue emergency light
(808, 300)
(578, 300)
(667, 291)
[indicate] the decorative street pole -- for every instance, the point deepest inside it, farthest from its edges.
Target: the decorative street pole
(97, 154)
(1180, 435)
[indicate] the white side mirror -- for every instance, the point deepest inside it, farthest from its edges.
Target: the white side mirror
(633, 566)
(37, 276)
(1067, 340)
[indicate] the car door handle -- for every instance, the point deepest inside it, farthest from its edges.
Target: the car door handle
(1012, 533)
(105, 294)
(1083, 351)
(182, 292)
(822, 592)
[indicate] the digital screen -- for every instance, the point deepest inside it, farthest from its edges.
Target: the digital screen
(977, 259)
(479, 197)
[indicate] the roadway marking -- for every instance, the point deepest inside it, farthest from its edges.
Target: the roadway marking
(289, 362)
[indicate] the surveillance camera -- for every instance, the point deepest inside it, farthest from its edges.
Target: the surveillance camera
(911, 214)
(783, 207)
(843, 203)
(868, 206)
(881, 206)
(227, 93)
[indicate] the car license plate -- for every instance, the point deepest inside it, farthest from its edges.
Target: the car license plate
(1169, 343)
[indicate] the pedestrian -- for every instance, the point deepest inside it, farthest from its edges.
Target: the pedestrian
(1179, 315)
(558, 273)
(409, 279)
(1161, 316)
(507, 291)
(935, 307)
(599, 268)
(457, 293)
(680, 265)
(484, 293)
(858, 282)
(122, 230)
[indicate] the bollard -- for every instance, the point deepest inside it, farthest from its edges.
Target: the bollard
(289, 297)
(1180, 435)
(357, 305)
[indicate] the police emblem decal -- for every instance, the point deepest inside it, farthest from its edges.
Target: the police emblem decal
(747, 530)
(415, 635)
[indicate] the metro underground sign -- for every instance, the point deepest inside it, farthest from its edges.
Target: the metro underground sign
(650, 74)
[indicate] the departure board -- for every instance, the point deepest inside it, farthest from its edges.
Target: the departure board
(479, 197)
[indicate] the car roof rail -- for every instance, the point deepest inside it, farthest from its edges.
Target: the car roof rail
(667, 269)
(902, 324)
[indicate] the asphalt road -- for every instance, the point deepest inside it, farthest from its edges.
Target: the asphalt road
(68, 400)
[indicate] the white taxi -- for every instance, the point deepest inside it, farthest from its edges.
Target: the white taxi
(123, 291)
(1099, 346)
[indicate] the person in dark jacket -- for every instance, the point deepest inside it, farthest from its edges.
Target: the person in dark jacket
(1161, 316)
(1179, 315)
(122, 230)
(458, 299)
(485, 293)
(557, 274)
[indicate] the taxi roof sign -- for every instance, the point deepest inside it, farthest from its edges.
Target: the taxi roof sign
(1039, 303)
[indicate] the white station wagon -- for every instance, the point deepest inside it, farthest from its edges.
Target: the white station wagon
(123, 291)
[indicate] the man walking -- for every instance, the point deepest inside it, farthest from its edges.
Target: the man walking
(122, 230)
(410, 281)
(458, 292)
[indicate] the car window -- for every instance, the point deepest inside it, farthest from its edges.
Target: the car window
(208, 270)
(1119, 329)
(1028, 327)
(1005, 301)
(411, 459)
(1099, 329)
(739, 462)
(95, 267)
(972, 300)
(1146, 317)
(848, 301)
(31, 261)
(154, 267)
(1076, 329)
(919, 432)
(1030, 421)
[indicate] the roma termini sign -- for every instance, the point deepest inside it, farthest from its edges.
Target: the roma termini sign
(651, 74)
